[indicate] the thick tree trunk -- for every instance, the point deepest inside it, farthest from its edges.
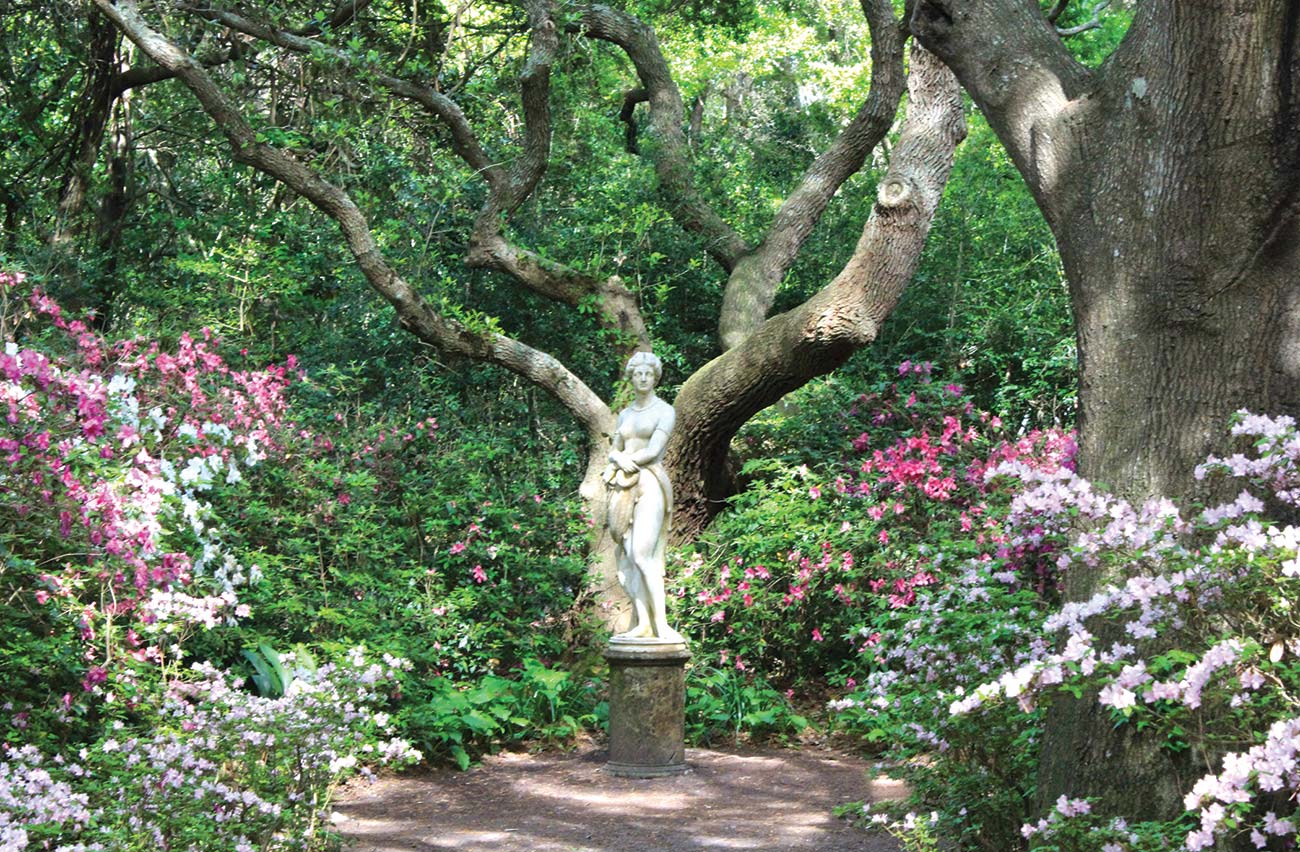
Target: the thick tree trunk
(1182, 255)
(86, 138)
(88, 125)
(1170, 180)
(111, 216)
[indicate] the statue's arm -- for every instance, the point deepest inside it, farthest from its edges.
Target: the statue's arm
(618, 458)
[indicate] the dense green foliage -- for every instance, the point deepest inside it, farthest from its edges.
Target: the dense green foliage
(267, 273)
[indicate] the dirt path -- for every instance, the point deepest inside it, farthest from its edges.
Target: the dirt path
(759, 800)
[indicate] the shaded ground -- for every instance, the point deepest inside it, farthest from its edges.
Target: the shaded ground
(755, 799)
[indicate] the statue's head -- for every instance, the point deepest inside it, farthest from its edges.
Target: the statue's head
(646, 359)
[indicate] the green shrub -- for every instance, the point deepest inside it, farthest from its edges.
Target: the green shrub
(723, 703)
(458, 723)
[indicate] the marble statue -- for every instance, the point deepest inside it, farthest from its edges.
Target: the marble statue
(640, 500)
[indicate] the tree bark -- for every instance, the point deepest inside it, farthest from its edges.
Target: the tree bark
(1170, 180)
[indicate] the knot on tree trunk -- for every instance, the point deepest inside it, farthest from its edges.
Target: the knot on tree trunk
(894, 192)
(932, 18)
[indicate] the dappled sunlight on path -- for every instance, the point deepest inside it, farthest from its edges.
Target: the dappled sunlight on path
(757, 800)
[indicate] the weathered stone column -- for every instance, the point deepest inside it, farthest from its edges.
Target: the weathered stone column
(647, 707)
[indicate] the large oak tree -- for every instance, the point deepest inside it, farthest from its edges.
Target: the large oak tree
(1170, 177)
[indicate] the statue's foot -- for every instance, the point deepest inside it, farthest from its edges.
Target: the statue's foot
(667, 634)
(637, 631)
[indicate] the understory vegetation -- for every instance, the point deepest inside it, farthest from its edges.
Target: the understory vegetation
(226, 608)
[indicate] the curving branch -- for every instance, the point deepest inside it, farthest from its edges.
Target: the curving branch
(444, 109)
(133, 78)
(627, 115)
(535, 86)
(489, 248)
(507, 188)
(343, 13)
(1092, 24)
(752, 286)
(618, 306)
(753, 274)
(1014, 65)
(413, 312)
(670, 154)
(816, 337)
(1058, 8)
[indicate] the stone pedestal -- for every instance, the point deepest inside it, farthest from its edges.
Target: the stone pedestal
(647, 708)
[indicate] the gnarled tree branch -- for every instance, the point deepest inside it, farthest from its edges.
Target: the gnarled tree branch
(413, 312)
(670, 153)
(535, 86)
(1058, 8)
(507, 188)
(819, 335)
(343, 13)
(133, 78)
(752, 285)
(627, 115)
(444, 109)
(1093, 23)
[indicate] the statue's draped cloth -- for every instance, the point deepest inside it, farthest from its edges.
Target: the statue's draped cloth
(625, 491)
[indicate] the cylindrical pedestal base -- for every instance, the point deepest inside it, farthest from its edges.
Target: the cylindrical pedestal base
(647, 709)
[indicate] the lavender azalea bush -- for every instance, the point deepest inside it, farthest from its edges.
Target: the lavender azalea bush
(221, 769)
(957, 682)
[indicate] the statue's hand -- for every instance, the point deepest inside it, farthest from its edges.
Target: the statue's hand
(624, 462)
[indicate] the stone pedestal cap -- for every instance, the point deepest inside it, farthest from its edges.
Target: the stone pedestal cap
(646, 652)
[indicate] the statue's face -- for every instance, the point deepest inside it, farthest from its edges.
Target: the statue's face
(643, 377)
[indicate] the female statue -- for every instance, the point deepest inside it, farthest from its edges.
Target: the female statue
(641, 499)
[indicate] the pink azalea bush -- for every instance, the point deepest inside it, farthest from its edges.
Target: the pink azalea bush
(789, 582)
(110, 547)
(113, 563)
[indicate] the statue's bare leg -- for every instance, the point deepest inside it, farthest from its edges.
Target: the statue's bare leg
(658, 609)
(634, 585)
(646, 552)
